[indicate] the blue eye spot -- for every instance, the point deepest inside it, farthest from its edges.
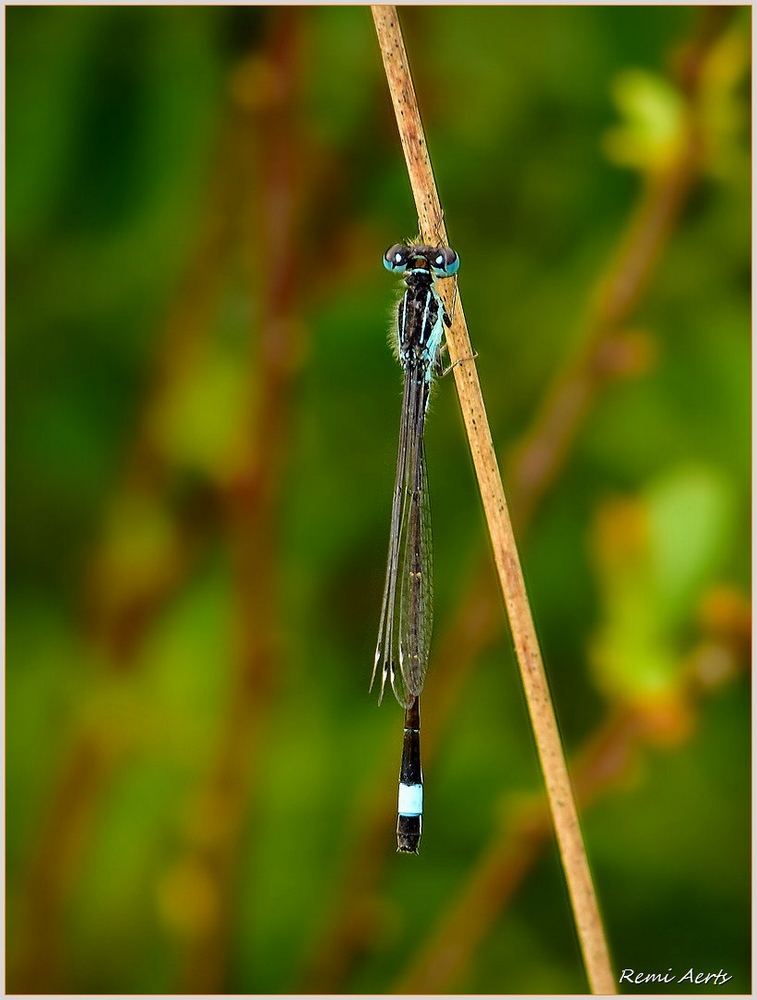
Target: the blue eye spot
(395, 258)
(452, 266)
(444, 263)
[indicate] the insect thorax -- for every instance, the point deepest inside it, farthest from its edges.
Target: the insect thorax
(419, 319)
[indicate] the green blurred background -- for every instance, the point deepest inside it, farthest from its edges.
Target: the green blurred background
(201, 430)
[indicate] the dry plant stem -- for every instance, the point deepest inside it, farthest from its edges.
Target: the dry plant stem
(536, 463)
(505, 864)
(603, 764)
(559, 791)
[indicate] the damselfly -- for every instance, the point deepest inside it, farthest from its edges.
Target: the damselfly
(406, 614)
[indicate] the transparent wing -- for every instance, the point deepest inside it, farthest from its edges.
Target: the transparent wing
(416, 595)
(383, 660)
(405, 626)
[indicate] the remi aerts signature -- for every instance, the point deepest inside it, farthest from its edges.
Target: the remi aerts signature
(700, 978)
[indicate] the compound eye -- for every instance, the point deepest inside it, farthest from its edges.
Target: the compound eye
(395, 258)
(444, 262)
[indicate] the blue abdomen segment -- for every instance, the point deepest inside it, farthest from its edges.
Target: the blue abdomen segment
(410, 800)
(409, 818)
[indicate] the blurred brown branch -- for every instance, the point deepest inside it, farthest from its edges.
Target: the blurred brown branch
(121, 608)
(609, 351)
(252, 499)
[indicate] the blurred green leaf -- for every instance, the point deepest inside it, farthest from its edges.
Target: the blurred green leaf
(654, 123)
(655, 555)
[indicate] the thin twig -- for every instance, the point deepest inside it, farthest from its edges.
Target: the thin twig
(561, 799)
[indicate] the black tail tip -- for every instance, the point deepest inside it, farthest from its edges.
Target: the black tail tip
(408, 834)
(407, 846)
